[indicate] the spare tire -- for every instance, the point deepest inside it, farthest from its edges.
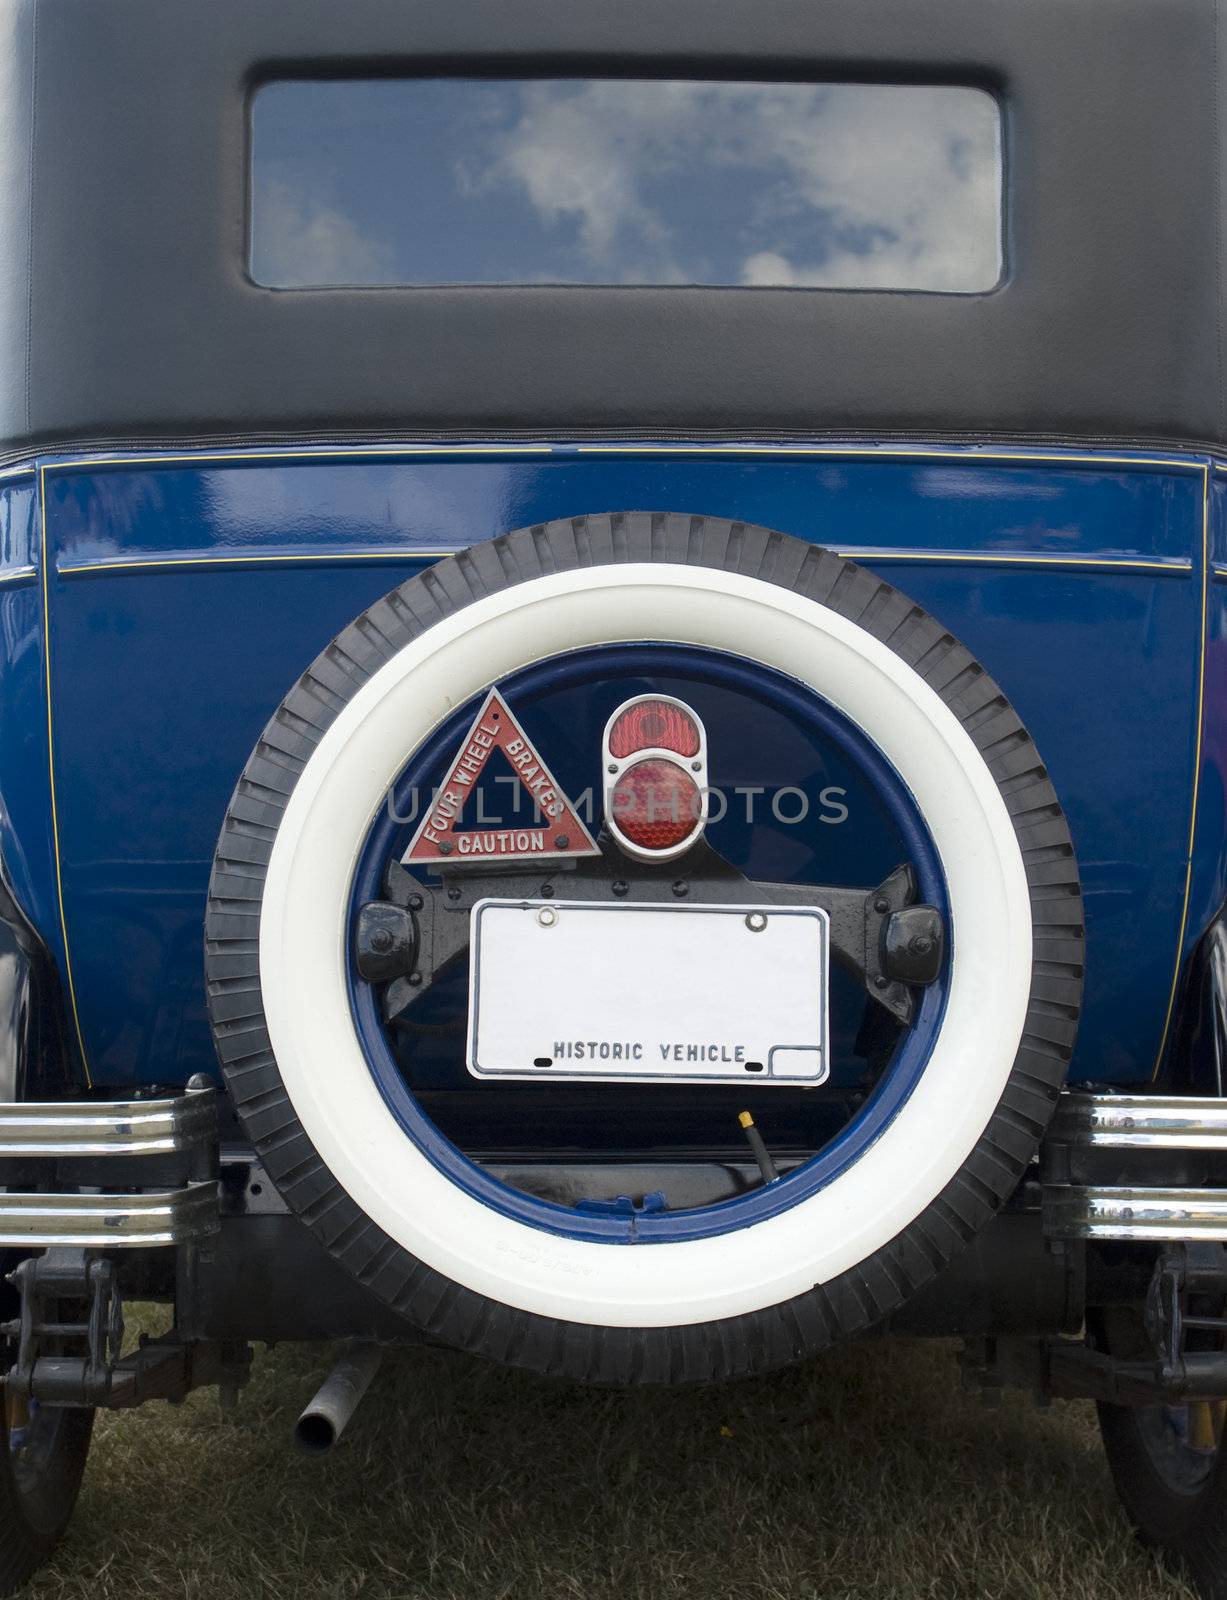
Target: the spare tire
(745, 1297)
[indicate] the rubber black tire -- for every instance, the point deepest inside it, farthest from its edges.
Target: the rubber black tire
(1188, 1528)
(34, 1515)
(737, 1345)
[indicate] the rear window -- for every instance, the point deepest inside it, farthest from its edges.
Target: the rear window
(369, 183)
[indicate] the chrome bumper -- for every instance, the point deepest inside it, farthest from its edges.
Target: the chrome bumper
(44, 1143)
(1127, 1135)
(1141, 1122)
(94, 1221)
(63, 1134)
(54, 1128)
(1075, 1212)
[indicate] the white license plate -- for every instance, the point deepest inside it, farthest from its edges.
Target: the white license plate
(587, 990)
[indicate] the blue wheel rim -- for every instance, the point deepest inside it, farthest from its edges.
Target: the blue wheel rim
(613, 664)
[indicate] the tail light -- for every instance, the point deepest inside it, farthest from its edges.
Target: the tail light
(655, 761)
(653, 725)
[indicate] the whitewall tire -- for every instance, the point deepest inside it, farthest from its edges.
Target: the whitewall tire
(746, 1298)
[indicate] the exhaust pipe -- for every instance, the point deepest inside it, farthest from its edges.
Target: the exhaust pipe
(324, 1419)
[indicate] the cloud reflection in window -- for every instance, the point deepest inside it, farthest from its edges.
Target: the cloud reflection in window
(626, 182)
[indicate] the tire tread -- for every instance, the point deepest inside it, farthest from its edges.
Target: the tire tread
(859, 1298)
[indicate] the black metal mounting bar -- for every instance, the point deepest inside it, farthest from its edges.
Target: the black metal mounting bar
(413, 935)
(69, 1337)
(1187, 1296)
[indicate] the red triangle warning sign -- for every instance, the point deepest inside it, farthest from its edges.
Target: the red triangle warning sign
(549, 827)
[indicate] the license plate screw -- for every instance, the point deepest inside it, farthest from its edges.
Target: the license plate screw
(547, 916)
(756, 922)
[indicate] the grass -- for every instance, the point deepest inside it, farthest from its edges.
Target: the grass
(866, 1476)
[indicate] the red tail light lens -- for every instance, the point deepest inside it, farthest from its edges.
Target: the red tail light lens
(653, 725)
(656, 805)
(655, 757)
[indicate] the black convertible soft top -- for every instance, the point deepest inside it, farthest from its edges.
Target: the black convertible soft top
(126, 310)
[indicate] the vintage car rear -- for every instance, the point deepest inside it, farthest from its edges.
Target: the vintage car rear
(611, 733)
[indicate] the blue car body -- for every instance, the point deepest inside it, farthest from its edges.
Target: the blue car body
(181, 594)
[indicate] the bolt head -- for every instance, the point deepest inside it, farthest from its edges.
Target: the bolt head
(381, 939)
(415, 902)
(881, 905)
(561, 841)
